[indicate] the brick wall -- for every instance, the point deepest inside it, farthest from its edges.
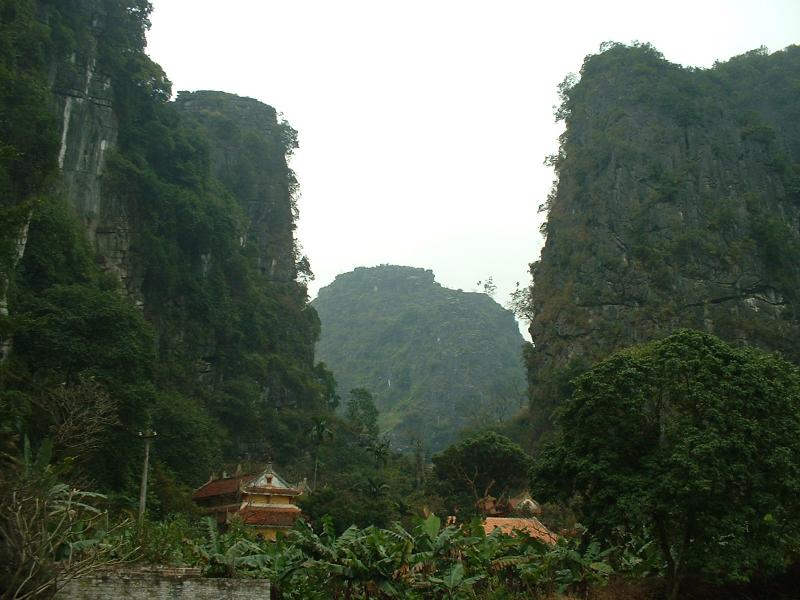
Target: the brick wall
(163, 584)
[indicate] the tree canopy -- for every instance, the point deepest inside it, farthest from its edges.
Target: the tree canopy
(486, 464)
(361, 412)
(693, 439)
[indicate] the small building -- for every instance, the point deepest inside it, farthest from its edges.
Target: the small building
(521, 505)
(515, 514)
(524, 505)
(262, 500)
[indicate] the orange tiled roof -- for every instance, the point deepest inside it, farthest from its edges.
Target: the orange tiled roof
(278, 517)
(532, 526)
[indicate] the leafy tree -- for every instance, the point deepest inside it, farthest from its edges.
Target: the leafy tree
(362, 413)
(366, 503)
(520, 303)
(327, 381)
(485, 464)
(374, 488)
(380, 450)
(489, 287)
(695, 440)
(28, 131)
(188, 439)
(360, 480)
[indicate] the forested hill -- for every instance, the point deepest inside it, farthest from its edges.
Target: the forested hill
(149, 272)
(435, 359)
(676, 205)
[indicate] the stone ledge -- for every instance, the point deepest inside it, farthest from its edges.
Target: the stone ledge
(162, 583)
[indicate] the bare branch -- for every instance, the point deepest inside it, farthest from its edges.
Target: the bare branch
(81, 414)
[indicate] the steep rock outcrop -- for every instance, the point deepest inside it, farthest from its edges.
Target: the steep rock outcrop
(677, 205)
(248, 155)
(190, 206)
(89, 128)
(436, 360)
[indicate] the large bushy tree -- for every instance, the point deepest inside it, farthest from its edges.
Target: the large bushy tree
(485, 464)
(693, 439)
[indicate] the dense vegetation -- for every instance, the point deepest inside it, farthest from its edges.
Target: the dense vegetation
(693, 441)
(169, 295)
(675, 206)
(436, 360)
(426, 561)
(681, 456)
(195, 319)
(163, 288)
(484, 465)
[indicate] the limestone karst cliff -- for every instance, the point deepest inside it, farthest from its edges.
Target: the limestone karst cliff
(676, 205)
(147, 250)
(248, 150)
(436, 360)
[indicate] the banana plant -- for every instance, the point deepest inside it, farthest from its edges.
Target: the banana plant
(228, 554)
(454, 584)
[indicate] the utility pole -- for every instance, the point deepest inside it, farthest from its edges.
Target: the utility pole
(147, 435)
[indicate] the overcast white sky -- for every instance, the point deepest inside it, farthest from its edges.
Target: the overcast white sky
(423, 124)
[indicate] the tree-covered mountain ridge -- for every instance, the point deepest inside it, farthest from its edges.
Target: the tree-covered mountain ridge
(435, 359)
(677, 204)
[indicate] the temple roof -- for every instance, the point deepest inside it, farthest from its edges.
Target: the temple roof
(265, 482)
(220, 487)
(269, 482)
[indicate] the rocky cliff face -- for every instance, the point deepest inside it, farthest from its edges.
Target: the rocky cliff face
(247, 147)
(248, 155)
(676, 205)
(189, 205)
(435, 359)
(88, 131)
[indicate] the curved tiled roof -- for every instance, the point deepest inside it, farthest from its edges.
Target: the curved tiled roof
(265, 482)
(221, 487)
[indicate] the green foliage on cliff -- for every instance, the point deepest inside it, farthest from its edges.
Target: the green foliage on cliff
(69, 320)
(435, 360)
(207, 336)
(28, 131)
(230, 334)
(693, 440)
(675, 206)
